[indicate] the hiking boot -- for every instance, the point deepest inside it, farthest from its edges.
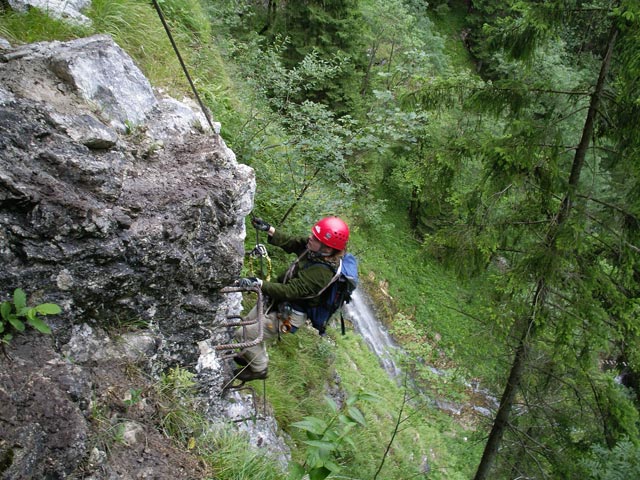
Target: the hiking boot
(240, 360)
(246, 374)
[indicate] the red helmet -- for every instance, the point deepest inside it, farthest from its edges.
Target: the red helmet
(332, 232)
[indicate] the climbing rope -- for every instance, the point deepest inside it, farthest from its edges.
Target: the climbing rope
(184, 67)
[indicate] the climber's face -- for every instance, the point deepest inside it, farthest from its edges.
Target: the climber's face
(316, 246)
(313, 244)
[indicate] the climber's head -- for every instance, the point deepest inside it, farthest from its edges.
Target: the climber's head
(330, 232)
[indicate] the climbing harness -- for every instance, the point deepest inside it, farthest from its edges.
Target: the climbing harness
(184, 67)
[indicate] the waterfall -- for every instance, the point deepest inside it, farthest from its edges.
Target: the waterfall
(360, 312)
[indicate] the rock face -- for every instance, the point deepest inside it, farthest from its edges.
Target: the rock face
(116, 204)
(105, 220)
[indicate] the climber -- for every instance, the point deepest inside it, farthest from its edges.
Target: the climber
(295, 290)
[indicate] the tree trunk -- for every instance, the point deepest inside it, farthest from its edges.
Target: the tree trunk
(509, 395)
(271, 16)
(519, 361)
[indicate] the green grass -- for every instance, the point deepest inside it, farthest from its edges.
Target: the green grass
(449, 22)
(431, 306)
(426, 433)
(225, 452)
(36, 26)
(304, 365)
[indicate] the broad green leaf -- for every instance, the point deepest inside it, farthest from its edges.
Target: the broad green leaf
(312, 424)
(334, 467)
(19, 299)
(332, 404)
(296, 471)
(5, 310)
(356, 415)
(319, 473)
(344, 420)
(330, 435)
(369, 397)
(324, 454)
(7, 338)
(313, 458)
(17, 324)
(39, 325)
(350, 441)
(321, 445)
(48, 309)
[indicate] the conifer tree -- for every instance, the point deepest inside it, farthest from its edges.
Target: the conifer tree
(551, 198)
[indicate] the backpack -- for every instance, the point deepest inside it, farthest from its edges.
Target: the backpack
(335, 294)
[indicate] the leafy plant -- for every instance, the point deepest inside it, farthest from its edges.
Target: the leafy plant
(15, 314)
(325, 438)
(133, 397)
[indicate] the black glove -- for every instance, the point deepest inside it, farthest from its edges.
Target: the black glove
(260, 224)
(249, 282)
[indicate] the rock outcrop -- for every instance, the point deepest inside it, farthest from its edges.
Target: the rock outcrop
(120, 206)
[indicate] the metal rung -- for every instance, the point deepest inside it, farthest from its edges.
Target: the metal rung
(259, 319)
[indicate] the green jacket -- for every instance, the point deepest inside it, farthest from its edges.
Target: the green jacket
(309, 276)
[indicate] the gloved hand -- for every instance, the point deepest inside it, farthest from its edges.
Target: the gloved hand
(260, 224)
(249, 282)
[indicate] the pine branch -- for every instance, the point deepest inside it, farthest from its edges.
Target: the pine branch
(543, 90)
(610, 205)
(613, 232)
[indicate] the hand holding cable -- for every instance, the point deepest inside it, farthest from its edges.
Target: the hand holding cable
(260, 224)
(249, 282)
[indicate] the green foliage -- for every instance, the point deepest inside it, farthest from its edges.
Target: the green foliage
(373, 124)
(325, 438)
(617, 463)
(286, 129)
(332, 29)
(133, 397)
(15, 313)
(424, 432)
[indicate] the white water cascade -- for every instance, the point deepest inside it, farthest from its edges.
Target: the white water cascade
(361, 314)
